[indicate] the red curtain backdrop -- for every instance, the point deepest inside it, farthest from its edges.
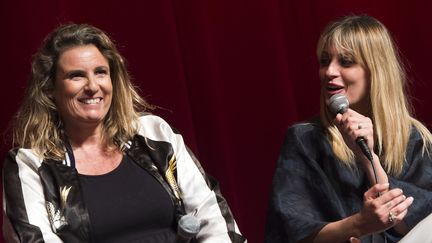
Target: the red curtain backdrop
(231, 75)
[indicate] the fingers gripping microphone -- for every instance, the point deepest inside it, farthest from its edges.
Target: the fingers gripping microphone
(338, 103)
(187, 228)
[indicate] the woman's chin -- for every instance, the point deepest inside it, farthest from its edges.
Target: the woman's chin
(86, 121)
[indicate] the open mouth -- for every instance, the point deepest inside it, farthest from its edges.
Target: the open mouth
(333, 88)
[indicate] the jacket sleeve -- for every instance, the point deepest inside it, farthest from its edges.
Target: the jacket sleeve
(24, 201)
(416, 180)
(200, 193)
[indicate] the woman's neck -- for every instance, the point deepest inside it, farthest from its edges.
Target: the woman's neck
(83, 137)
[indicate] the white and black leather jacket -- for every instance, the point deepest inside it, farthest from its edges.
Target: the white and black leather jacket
(43, 198)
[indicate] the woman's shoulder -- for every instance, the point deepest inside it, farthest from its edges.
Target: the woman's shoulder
(415, 133)
(310, 128)
(155, 128)
(420, 137)
(150, 119)
(304, 141)
(305, 136)
(23, 157)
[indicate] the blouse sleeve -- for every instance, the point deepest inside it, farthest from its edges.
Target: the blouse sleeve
(24, 201)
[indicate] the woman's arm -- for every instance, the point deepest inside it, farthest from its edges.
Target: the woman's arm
(306, 202)
(24, 201)
(339, 231)
(353, 125)
(373, 218)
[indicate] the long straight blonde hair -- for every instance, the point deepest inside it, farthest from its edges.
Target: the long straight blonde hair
(369, 42)
(37, 123)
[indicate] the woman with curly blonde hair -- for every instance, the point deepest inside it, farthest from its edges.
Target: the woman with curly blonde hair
(91, 167)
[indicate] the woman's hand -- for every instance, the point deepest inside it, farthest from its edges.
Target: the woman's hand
(353, 125)
(378, 214)
(382, 212)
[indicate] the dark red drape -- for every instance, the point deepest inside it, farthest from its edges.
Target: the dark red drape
(230, 75)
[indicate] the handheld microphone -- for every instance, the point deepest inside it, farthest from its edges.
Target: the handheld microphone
(339, 104)
(187, 228)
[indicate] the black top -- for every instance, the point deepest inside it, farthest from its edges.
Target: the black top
(128, 205)
(311, 187)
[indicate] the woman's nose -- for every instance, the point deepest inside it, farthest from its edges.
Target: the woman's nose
(333, 70)
(92, 84)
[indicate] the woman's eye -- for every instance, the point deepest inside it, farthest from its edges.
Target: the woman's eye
(324, 61)
(346, 61)
(75, 75)
(101, 72)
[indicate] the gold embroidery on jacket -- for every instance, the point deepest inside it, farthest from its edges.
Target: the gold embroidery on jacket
(56, 215)
(169, 175)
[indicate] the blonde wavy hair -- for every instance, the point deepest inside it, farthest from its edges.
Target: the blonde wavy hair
(37, 123)
(371, 45)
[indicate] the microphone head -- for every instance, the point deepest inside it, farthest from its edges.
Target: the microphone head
(338, 103)
(188, 226)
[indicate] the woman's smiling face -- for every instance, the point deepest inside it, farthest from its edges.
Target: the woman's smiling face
(83, 87)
